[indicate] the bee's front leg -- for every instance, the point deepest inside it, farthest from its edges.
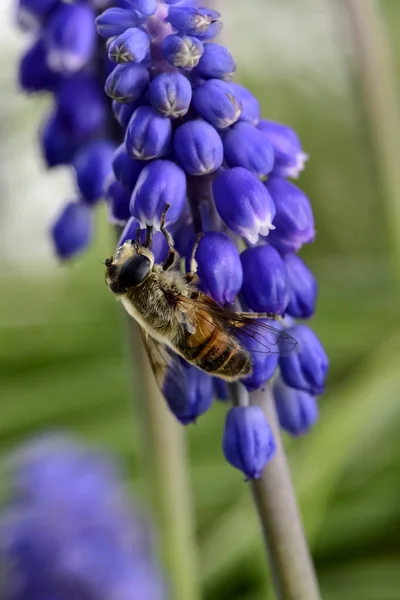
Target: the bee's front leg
(193, 263)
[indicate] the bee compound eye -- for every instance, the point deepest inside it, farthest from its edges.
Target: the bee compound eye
(134, 271)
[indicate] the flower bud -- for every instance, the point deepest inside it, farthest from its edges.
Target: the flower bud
(245, 146)
(126, 169)
(131, 46)
(58, 148)
(145, 8)
(243, 203)
(265, 286)
(294, 219)
(297, 410)
(171, 94)
(248, 442)
(82, 108)
(198, 147)
(215, 101)
(159, 248)
(307, 369)
(303, 287)
(213, 30)
(127, 82)
(123, 112)
(118, 200)
(189, 393)
(115, 21)
(250, 106)
(161, 182)
(148, 134)
(34, 74)
(93, 166)
(219, 267)
(72, 231)
(182, 50)
(289, 156)
(192, 20)
(70, 37)
(216, 62)
(264, 364)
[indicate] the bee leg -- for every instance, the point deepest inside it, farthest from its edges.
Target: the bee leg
(169, 261)
(193, 264)
(149, 237)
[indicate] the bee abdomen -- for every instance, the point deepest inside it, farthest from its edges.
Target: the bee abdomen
(234, 364)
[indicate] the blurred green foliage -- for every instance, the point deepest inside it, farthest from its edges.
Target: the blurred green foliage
(63, 365)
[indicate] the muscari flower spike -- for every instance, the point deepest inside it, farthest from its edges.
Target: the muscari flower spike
(69, 530)
(155, 118)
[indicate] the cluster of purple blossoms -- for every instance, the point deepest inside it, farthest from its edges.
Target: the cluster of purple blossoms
(186, 135)
(69, 532)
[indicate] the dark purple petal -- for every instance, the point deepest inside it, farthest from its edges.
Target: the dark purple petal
(297, 410)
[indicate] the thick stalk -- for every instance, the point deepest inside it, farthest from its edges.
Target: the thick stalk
(289, 557)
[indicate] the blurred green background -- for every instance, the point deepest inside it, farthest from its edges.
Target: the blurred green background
(62, 358)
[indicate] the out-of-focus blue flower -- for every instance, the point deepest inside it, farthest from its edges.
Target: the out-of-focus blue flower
(30, 13)
(216, 62)
(245, 146)
(265, 286)
(307, 369)
(303, 287)
(70, 37)
(118, 200)
(72, 230)
(34, 74)
(115, 21)
(127, 82)
(148, 134)
(250, 106)
(198, 147)
(248, 443)
(192, 20)
(294, 221)
(297, 410)
(243, 203)
(161, 182)
(219, 267)
(215, 101)
(289, 156)
(188, 392)
(81, 106)
(71, 533)
(182, 51)
(130, 46)
(93, 165)
(57, 146)
(126, 169)
(171, 94)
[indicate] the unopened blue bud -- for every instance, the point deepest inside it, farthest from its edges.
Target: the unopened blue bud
(215, 101)
(170, 94)
(214, 29)
(303, 287)
(130, 46)
(115, 21)
(289, 156)
(93, 166)
(248, 442)
(221, 391)
(34, 74)
(189, 393)
(216, 62)
(307, 369)
(161, 182)
(265, 286)
(159, 247)
(191, 20)
(148, 134)
(118, 201)
(297, 410)
(58, 148)
(182, 50)
(250, 106)
(126, 169)
(127, 82)
(219, 267)
(198, 147)
(243, 203)
(264, 354)
(72, 230)
(245, 146)
(123, 112)
(145, 8)
(82, 107)
(294, 219)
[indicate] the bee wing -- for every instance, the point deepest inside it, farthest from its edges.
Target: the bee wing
(246, 327)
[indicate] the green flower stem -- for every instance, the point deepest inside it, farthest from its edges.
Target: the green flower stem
(289, 556)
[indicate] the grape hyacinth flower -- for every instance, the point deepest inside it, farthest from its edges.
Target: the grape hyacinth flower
(69, 531)
(148, 115)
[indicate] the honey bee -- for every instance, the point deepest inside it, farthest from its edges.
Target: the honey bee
(174, 315)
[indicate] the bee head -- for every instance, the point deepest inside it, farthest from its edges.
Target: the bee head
(130, 267)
